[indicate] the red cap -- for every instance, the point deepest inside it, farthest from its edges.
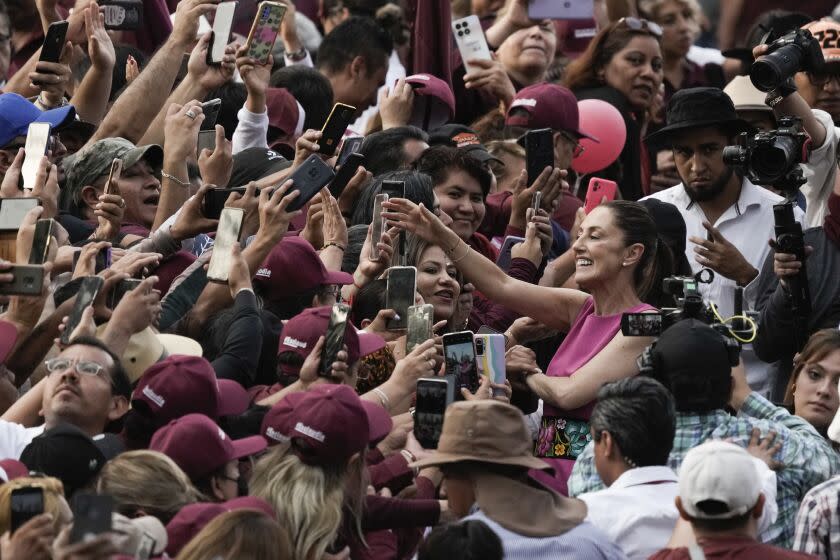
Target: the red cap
(11, 469)
(199, 446)
(283, 111)
(171, 268)
(8, 339)
(547, 106)
(329, 426)
(426, 84)
(294, 268)
(192, 518)
(182, 385)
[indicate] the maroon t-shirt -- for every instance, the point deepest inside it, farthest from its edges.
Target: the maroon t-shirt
(739, 548)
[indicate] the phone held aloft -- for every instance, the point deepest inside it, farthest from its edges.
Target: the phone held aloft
(88, 290)
(335, 127)
(433, 395)
(459, 357)
(264, 30)
(227, 233)
(334, 339)
(399, 295)
(420, 323)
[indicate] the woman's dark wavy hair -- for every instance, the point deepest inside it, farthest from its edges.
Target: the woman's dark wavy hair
(418, 189)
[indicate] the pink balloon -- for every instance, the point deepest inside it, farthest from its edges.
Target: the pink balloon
(604, 122)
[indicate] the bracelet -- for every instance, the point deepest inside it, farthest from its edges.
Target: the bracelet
(174, 179)
(777, 95)
(462, 257)
(383, 398)
(336, 245)
(410, 458)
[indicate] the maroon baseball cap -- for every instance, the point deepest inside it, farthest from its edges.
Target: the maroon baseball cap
(294, 268)
(192, 518)
(284, 113)
(180, 385)
(199, 446)
(546, 106)
(8, 339)
(11, 469)
(432, 86)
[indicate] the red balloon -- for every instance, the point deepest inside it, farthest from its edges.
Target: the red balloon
(604, 122)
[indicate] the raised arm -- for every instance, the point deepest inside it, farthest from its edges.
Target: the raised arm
(91, 97)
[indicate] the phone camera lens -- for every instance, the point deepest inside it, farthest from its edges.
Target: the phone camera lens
(467, 31)
(460, 34)
(28, 281)
(458, 25)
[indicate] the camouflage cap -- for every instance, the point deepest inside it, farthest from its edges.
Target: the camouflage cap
(86, 166)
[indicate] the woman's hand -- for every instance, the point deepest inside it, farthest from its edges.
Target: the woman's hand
(531, 248)
(488, 390)
(526, 330)
(419, 363)
(180, 129)
(369, 268)
(216, 167)
(417, 219)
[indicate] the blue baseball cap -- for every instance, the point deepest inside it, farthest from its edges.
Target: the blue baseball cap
(17, 113)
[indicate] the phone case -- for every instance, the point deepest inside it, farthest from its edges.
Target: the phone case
(539, 150)
(490, 355)
(222, 23)
(54, 41)
(598, 190)
(345, 173)
(37, 141)
(434, 395)
(459, 356)
(334, 128)
(505, 257)
(264, 30)
(227, 233)
(399, 295)
(470, 40)
(334, 339)
(308, 180)
(211, 114)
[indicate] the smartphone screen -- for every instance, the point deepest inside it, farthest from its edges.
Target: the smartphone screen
(345, 173)
(334, 339)
(432, 398)
(227, 233)
(335, 127)
(308, 180)
(84, 298)
(41, 241)
(420, 323)
(13, 211)
(402, 283)
(264, 30)
(111, 186)
(350, 145)
(37, 139)
(206, 140)
(222, 23)
(459, 355)
(54, 41)
(92, 516)
(211, 114)
(641, 324)
(378, 225)
(539, 148)
(25, 503)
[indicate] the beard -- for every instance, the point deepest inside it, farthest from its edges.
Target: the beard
(711, 192)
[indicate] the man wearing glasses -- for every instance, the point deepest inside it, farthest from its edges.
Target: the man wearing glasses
(86, 386)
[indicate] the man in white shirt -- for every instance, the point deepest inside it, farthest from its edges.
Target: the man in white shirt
(86, 386)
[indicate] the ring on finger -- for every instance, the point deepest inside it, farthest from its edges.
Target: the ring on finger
(122, 203)
(431, 363)
(190, 114)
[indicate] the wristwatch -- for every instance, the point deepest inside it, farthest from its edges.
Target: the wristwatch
(777, 95)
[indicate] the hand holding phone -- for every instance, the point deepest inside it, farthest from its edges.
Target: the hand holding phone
(308, 180)
(334, 339)
(459, 356)
(598, 192)
(222, 24)
(334, 128)
(230, 226)
(433, 395)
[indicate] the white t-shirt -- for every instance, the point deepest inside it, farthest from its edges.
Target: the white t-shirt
(15, 437)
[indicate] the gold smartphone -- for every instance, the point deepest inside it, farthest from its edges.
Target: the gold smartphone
(114, 176)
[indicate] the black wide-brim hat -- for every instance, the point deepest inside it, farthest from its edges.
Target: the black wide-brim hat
(698, 108)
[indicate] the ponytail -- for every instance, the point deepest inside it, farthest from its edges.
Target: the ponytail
(659, 267)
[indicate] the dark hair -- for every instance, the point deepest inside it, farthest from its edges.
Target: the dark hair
(356, 236)
(384, 151)
(418, 189)
(583, 71)
(657, 262)
(356, 36)
(820, 344)
(414, 249)
(233, 97)
(468, 540)
(369, 301)
(23, 15)
(120, 382)
(439, 161)
(311, 89)
(639, 414)
(719, 525)
(288, 307)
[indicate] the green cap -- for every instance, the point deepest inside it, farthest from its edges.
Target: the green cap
(86, 166)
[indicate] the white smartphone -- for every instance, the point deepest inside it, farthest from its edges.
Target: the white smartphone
(560, 9)
(37, 140)
(378, 225)
(222, 24)
(470, 40)
(490, 357)
(230, 226)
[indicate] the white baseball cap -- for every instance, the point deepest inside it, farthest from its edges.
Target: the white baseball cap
(745, 96)
(721, 472)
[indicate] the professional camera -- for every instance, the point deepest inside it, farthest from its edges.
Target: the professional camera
(794, 52)
(690, 305)
(773, 157)
(789, 239)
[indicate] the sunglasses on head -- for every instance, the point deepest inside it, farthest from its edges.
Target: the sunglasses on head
(641, 24)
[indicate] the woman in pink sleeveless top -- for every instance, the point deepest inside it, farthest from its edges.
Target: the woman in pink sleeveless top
(618, 259)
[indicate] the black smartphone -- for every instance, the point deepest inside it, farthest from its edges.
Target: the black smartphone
(13, 211)
(206, 139)
(227, 233)
(334, 128)
(399, 294)
(27, 280)
(92, 516)
(503, 261)
(222, 24)
(88, 291)
(350, 145)
(459, 356)
(420, 322)
(54, 41)
(432, 397)
(211, 113)
(394, 189)
(308, 180)
(25, 503)
(334, 339)
(214, 201)
(539, 149)
(125, 15)
(122, 288)
(378, 224)
(41, 241)
(345, 173)
(641, 324)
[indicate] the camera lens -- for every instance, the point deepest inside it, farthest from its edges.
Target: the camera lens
(460, 34)
(734, 156)
(766, 74)
(467, 31)
(771, 161)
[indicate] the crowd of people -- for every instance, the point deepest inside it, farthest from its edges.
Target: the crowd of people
(172, 386)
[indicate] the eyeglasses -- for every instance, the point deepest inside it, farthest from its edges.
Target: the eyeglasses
(821, 80)
(640, 24)
(577, 150)
(91, 369)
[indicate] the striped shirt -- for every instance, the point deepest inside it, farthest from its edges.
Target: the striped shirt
(818, 521)
(808, 458)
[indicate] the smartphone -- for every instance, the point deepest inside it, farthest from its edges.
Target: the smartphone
(599, 190)
(41, 241)
(471, 41)
(560, 9)
(536, 200)
(334, 128)
(433, 395)
(312, 176)
(641, 324)
(37, 143)
(122, 288)
(103, 260)
(211, 113)
(394, 189)
(459, 356)
(350, 145)
(114, 175)
(378, 223)
(399, 294)
(505, 256)
(539, 150)
(27, 280)
(125, 15)
(54, 41)
(13, 211)
(420, 322)
(490, 357)
(345, 173)
(206, 139)
(230, 226)
(88, 291)
(334, 339)
(25, 503)
(222, 24)
(214, 201)
(264, 30)
(92, 515)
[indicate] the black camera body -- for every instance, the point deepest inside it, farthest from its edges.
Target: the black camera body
(772, 157)
(789, 239)
(690, 305)
(796, 51)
